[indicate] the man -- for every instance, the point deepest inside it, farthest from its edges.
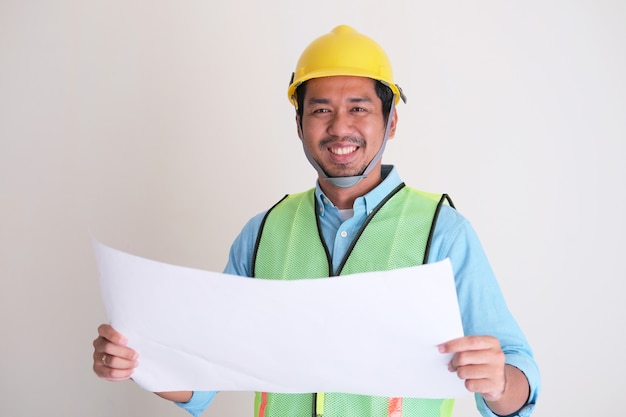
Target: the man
(345, 97)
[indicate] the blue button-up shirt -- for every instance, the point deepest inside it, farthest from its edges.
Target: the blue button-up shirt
(482, 305)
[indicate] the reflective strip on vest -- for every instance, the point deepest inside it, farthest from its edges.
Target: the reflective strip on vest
(395, 407)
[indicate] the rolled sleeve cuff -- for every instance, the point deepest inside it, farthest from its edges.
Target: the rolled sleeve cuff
(529, 368)
(198, 402)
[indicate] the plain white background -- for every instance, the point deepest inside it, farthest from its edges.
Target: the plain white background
(160, 127)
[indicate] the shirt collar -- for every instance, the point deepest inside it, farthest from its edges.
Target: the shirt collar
(391, 179)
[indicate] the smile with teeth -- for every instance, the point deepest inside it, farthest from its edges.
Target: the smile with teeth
(343, 150)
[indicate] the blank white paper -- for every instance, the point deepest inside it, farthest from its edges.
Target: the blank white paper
(373, 333)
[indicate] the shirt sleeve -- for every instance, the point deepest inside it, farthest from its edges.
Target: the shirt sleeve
(240, 255)
(198, 402)
(481, 302)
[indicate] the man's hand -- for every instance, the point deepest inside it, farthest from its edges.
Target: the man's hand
(112, 359)
(479, 360)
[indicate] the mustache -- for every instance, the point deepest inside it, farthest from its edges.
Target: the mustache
(326, 142)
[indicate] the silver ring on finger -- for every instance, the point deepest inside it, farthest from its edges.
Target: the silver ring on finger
(104, 360)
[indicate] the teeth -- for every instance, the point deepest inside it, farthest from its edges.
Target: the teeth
(343, 151)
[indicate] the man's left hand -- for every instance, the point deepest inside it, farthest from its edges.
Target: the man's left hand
(479, 360)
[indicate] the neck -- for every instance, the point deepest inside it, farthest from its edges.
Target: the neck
(343, 198)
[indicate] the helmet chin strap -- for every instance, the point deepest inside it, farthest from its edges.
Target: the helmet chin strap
(351, 181)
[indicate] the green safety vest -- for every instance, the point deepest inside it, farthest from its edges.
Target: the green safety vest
(290, 245)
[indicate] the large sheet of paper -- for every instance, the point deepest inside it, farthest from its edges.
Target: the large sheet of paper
(372, 333)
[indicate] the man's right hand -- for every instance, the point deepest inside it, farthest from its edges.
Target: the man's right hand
(112, 359)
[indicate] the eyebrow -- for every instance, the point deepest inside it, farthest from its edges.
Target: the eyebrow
(351, 100)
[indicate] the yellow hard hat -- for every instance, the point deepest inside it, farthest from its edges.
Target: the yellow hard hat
(344, 51)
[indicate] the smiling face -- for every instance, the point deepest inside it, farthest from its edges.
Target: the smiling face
(343, 125)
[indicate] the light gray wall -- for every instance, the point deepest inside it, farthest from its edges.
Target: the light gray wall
(162, 126)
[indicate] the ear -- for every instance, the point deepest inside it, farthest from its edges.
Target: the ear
(392, 127)
(299, 125)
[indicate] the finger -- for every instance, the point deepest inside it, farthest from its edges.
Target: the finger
(486, 387)
(113, 343)
(109, 333)
(493, 357)
(113, 368)
(488, 379)
(469, 343)
(108, 360)
(103, 363)
(480, 371)
(104, 346)
(111, 374)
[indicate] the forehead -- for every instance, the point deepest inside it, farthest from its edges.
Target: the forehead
(339, 86)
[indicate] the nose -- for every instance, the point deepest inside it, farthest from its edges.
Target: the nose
(340, 124)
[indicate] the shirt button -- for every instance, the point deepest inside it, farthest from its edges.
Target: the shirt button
(344, 233)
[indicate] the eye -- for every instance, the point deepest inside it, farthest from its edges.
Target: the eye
(320, 110)
(359, 109)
